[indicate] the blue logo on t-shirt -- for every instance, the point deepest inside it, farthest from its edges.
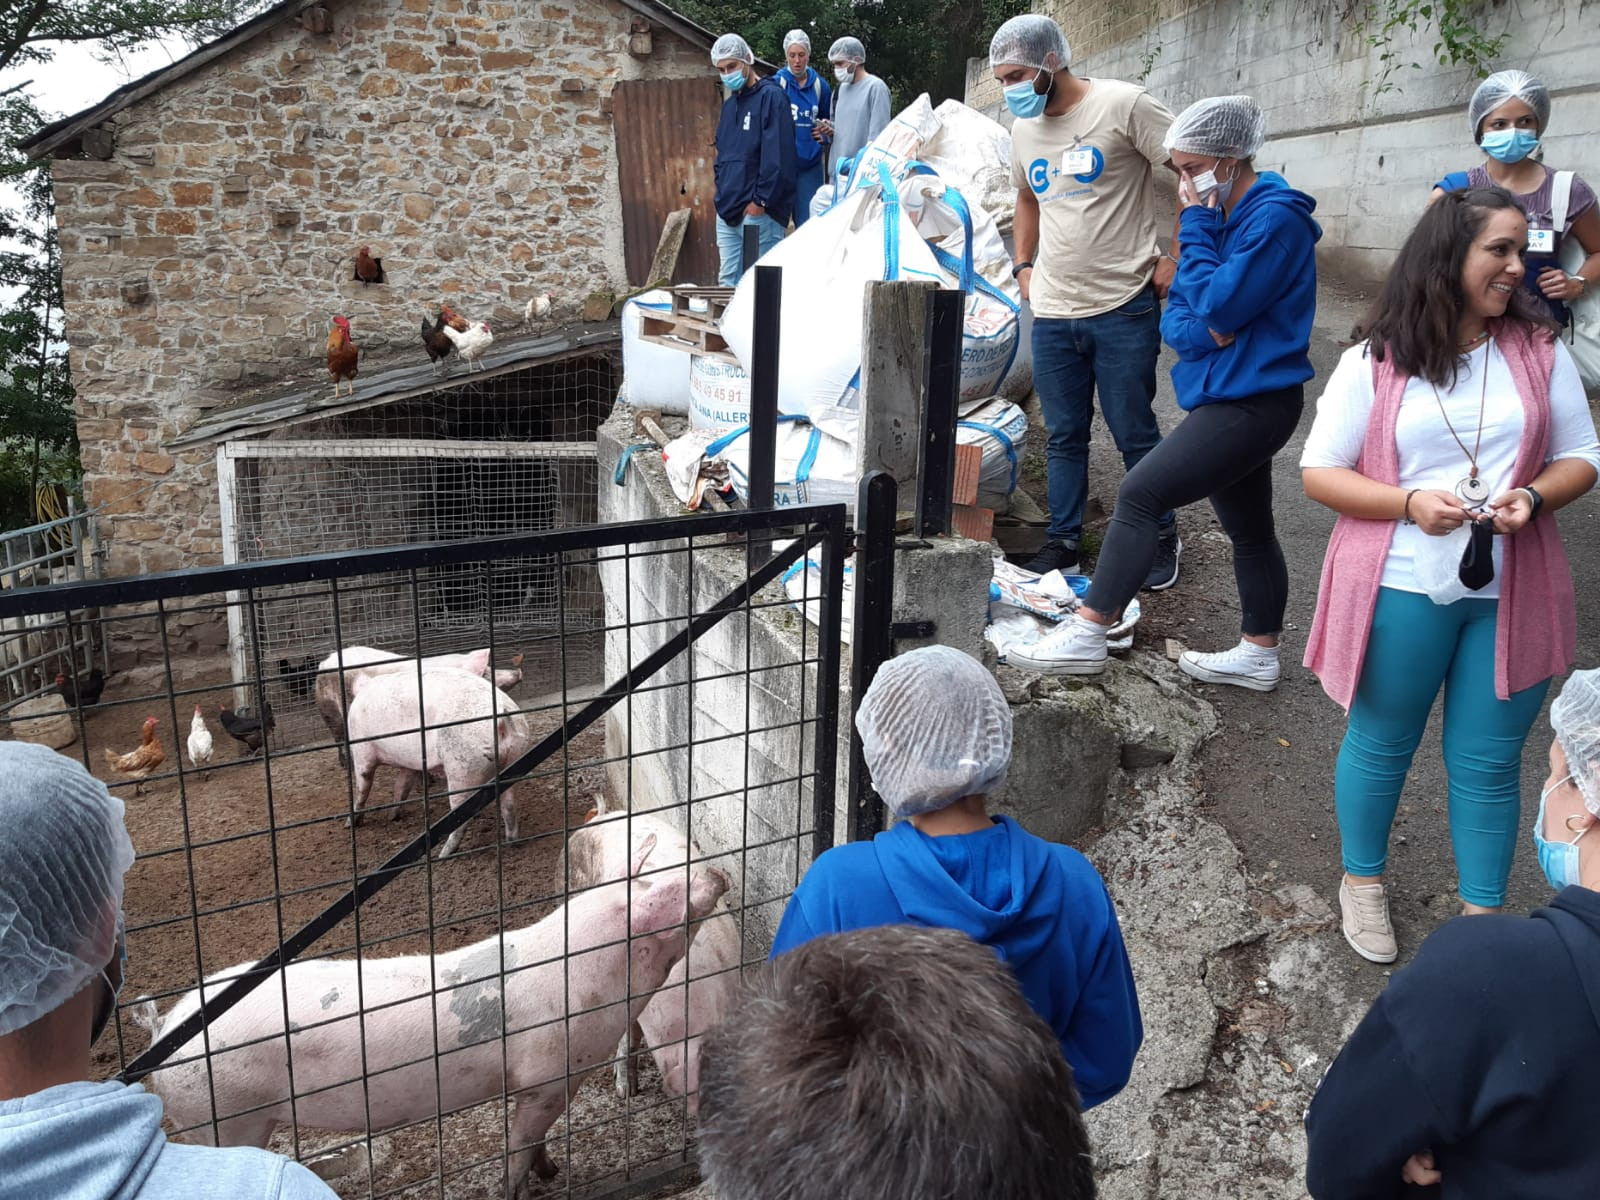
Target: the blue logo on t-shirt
(1039, 175)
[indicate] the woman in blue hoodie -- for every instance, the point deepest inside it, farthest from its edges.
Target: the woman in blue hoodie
(1239, 317)
(936, 734)
(811, 104)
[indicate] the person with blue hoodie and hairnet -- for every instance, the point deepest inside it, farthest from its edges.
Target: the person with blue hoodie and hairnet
(63, 853)
(1239, 318)
(755, 169)
(936, 733)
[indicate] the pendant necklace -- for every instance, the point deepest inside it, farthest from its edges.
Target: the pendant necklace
(1474, 492)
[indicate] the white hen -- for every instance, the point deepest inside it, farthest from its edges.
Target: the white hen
(471, 344)
(538, 308)
(199, 741)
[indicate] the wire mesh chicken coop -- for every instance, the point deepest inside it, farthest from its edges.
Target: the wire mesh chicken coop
(467, 456)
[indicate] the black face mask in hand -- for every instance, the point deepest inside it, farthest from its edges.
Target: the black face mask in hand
(1477, 560)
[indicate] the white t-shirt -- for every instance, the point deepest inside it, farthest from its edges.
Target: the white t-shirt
(1428, 456)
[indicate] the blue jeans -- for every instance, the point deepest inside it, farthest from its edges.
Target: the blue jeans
(806, 183)
(730, 245)
(1415, 647)
(1116, 352)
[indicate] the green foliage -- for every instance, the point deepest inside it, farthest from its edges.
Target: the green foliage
(38, 433)
(1459, 41)
(913, 45)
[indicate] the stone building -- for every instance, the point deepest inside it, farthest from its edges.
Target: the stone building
(486, 150)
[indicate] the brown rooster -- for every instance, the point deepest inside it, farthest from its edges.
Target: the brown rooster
(342, 355)
(138, 764)
(437, 344)
(368, 269)
(454, 319)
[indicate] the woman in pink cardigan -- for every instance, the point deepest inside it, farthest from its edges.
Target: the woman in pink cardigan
(1445, 442)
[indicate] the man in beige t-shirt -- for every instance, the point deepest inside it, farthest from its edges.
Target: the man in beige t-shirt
(1083, 153)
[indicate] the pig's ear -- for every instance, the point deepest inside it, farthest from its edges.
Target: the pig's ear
(516, 660)
(478, 662)
(590, 815)
(642, 854)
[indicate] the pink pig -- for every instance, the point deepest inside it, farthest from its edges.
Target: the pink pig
(587, 952)
(460, 726)
(702, 987)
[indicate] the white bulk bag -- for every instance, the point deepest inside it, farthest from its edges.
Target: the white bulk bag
(810, 466)
(719, 393)
(653, 375)
(999, 428)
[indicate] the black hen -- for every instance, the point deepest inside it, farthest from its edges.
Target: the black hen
(436, 343)
(244, 728)
(299, 678)
(84, 690)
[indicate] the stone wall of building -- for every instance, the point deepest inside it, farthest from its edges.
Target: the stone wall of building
(468, 142)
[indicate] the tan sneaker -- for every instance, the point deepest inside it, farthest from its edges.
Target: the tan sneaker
(1365, 910)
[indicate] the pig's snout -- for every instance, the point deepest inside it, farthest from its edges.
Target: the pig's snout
(707, 887)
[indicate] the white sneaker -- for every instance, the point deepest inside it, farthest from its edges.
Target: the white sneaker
(1246, 665)
(1365, 913)
(1077, 646)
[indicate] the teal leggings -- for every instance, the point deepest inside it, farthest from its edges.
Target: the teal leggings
(1415, 646)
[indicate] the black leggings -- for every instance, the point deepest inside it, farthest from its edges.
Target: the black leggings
(1222, 451)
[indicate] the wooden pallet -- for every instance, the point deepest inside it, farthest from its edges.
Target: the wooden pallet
(690, 331)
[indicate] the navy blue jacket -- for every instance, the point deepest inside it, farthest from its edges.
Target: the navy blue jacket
(809, 99)
(1486, 1051)
(1252, 274)
(1041, 907)
(755, 153)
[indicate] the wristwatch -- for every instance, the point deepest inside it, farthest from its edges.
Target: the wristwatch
(1025, 265)
(1535, 502)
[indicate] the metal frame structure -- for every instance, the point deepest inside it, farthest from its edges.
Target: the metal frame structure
(207, 831)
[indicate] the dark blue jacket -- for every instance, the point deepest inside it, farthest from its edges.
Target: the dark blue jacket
(1041, 907)
(1252, 274)
(1484, 1050)
(808, 100)
(755, 153)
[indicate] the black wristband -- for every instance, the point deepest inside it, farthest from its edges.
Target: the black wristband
(1025, 265)
(1537, 502)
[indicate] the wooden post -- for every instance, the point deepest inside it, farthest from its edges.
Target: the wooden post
(894, 379)
(665, 264)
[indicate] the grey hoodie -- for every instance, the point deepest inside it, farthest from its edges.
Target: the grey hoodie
(103, 1141)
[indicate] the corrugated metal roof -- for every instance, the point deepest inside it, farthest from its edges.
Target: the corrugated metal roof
(389, 384)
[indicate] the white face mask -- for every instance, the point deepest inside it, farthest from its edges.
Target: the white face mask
(842, 74)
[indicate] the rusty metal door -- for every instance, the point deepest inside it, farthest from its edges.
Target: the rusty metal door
(666, 135)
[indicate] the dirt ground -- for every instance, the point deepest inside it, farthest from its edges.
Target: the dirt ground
(258, 846)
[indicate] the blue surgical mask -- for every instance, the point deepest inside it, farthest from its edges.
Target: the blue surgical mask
(1558, 860)
(1024, 101)
(733, 80)
(1510, 145)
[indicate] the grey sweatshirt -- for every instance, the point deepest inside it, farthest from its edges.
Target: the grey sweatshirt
(860, 113)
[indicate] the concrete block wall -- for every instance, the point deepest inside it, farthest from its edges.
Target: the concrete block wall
(1368, 157)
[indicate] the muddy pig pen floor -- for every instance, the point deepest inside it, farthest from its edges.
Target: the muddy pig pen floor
(601, 1134)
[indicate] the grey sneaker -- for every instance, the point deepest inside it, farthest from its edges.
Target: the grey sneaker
(1164, 570)
(1054, 556)
(1077, 646)
(1246, 665)
(1365, 913)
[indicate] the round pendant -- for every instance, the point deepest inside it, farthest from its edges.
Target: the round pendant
(1473, 491)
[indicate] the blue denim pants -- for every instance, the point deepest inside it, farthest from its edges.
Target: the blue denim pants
(1114, 353)
(807, 181)
(730, 245)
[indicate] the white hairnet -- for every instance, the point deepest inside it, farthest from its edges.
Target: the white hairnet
(934, 727)
(1509, 85)
(796, 37)
(1220, 127)
(847, 49)
(731, 45)
(1027, 40)
(1575, 716)
(63, 853)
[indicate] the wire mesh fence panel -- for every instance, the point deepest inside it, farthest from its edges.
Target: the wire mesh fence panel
(37, 660)
(511, 454)
(517, 886)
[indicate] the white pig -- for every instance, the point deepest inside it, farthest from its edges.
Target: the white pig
(454, 726)
(585, 952)
(679, 1015)
(360, 661)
